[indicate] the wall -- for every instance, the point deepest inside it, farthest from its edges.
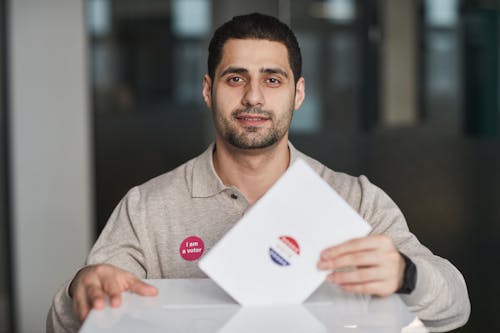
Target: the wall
(50, 162)
(4, 268)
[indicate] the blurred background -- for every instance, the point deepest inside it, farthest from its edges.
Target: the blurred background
(97, 96)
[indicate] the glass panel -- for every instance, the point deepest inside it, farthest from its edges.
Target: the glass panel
(442, 77)
(337, 11)
(99, 17)
(481, 35)
(327, 34)
(147, 61)
(191, 18)
(441, 13)
(308, 118)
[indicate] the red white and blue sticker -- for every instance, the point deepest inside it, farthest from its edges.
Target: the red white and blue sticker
(191, 248)
(284, 251)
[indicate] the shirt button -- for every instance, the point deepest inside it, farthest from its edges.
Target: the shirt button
(234, 196)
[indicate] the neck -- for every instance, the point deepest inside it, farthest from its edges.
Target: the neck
(252, 171)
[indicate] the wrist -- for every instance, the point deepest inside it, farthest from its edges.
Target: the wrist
(409, 278)
(74, 281)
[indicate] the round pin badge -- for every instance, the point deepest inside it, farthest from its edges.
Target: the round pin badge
(191, 248)
(284, 251)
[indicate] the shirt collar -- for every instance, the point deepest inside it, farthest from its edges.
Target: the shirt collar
(206, 182)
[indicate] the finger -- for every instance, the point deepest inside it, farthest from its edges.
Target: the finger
(360, 275)
(141, 288)
(95, 296)
(371, 242)
(81, 300)
(359, 259)
(113, 289)
(80, 303)
(377, 288)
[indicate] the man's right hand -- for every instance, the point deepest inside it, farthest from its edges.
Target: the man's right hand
(92, 284)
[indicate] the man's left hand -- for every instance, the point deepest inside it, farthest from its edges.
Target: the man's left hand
(368, 265)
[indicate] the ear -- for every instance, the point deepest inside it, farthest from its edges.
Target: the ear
(207, 90)
(300, 92)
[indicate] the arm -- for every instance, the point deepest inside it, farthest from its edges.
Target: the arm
(440, 296)
(88, 290)
(115, 264)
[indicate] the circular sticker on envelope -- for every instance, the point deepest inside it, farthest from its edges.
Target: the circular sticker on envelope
(284, 251)
(191, 248)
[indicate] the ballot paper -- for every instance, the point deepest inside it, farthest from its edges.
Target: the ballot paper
(269, 257)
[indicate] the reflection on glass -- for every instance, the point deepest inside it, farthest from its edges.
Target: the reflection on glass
(188, 70)
(441, 13)
(343, 72)
(308, 118)
(191, 18)
(290, 319)
(363, 315)
(154, 319)
(442, 63)
(102, 66)
(442, 66)
(149, 55)
(99, 17)
(338, 11)
(342, 94)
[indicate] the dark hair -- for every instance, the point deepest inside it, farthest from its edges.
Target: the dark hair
(254, 26)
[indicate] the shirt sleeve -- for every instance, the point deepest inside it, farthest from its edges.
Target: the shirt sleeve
(440, 297)
(119, 245)
(120, 241)
(61, 317)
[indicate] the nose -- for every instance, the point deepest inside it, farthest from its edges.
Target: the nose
(253, 95)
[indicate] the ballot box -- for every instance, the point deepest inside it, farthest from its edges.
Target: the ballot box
(200, 306)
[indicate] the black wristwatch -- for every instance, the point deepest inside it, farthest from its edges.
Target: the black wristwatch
(409, 277)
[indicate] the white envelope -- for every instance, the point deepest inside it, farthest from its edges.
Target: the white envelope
(269, 257)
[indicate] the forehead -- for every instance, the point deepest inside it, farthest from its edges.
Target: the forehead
(254, 53)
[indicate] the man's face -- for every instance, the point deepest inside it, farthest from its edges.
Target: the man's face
(253, 94)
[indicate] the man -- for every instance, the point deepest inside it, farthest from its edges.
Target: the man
(253, 87)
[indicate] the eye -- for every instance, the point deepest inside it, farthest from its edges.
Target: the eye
(272, 81)
(234, 80)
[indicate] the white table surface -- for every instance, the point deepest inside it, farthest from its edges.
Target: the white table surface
(200, 306)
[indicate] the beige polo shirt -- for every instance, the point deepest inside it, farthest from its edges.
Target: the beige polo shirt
(160, 228)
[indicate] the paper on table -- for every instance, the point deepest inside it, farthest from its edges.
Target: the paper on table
(270, 256)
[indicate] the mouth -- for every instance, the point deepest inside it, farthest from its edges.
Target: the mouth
(252, 119)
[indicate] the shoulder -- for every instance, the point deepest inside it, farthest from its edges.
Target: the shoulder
(361, 194)
(161, 189)
(347, 186)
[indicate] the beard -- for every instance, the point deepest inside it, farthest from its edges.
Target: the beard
(252, 137)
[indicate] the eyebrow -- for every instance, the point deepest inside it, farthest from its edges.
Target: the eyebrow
(234, 70)
(241, 70)
(274, 71)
